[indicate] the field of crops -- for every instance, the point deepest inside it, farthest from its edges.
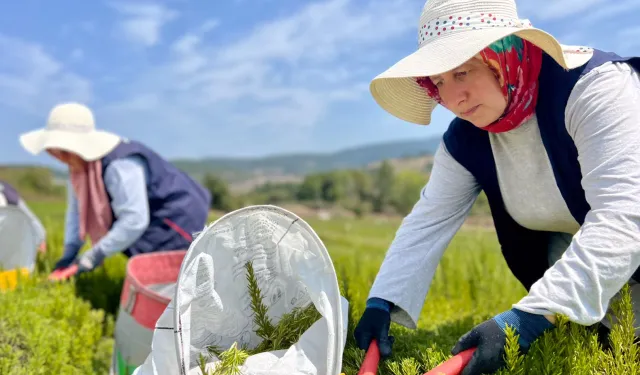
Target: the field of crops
(67, 328)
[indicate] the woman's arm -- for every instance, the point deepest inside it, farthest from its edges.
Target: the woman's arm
(406, 273)
(125, 180)
(603, 118)
(72, 240)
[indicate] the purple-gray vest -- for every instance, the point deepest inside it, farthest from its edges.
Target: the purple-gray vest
(525, 250)
(10, 194)
(178, 205)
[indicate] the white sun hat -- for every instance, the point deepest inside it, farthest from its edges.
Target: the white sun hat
(450, 32)
(71, 127)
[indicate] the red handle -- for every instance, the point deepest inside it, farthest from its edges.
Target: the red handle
(371, 360)
(454, 365)
(64, 273)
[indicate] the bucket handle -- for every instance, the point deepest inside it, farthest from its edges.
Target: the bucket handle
(131, 300)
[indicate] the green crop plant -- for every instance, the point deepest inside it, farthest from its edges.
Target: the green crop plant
(45, 329)
(67, 328)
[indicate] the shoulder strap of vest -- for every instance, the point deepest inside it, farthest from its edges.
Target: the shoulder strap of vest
(122, 150)
(555, 88)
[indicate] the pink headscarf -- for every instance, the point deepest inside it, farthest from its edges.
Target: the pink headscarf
(93, 203)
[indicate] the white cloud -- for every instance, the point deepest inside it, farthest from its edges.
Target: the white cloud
(143, 22)
(283, 73)
(555, 9)
(77, 54)
(33, 81)
(630, 34)
(82, 27)
(628, 41)
(612, 9)
(209, 25)
(324, 31)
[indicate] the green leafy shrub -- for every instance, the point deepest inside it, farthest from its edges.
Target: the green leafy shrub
(60, 327)
(67, 328)
(101, 287)
(44, 329)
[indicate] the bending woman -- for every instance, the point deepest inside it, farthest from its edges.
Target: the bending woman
(121, 194)
(551, 134)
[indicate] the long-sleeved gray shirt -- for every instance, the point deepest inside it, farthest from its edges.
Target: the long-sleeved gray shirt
(594, 261)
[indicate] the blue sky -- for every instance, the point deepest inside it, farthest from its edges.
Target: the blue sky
(218, 78)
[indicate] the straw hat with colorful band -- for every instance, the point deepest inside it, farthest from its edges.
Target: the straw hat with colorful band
(451, 32)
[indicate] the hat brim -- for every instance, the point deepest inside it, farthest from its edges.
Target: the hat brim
(397, 91)
(89, 146)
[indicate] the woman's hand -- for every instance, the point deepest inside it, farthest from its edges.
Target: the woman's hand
(68, 258)
(374, 324)
(90, 260)
(489, 339)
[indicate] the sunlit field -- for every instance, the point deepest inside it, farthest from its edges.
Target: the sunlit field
(67, 328)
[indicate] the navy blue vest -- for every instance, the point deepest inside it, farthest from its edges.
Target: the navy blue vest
(178, 205)
(525, 250)
(10, 194)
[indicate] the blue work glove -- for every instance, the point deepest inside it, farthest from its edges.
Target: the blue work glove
(489, 339)
(90, 260)
(374, 324)
(68, 258)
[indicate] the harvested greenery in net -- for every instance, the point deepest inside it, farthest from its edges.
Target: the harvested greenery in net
(274, 336)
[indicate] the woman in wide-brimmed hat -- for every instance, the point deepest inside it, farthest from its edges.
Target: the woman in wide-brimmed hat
(122, 195)
(551, 134)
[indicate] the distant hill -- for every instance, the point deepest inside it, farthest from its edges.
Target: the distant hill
(246, 173)
(286, 165)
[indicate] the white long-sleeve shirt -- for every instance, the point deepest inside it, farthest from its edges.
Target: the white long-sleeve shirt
(603, 118)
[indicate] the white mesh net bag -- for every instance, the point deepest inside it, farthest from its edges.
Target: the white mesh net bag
(212, 306)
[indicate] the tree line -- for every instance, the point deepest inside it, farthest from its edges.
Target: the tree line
(361, 191)
(379, 190)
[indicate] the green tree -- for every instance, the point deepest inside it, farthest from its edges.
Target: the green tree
(339, 187)
(406, 190)
(363, 185)
(274, 193)
(384, 178)
(221, 198)
(311, 188)
(331, 189)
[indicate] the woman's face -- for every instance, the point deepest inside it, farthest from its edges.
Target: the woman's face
(472, 92)
(69, 158)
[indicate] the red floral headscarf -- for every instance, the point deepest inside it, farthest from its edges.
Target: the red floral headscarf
(516, 64)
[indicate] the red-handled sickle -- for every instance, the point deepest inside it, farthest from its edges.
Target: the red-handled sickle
(371, 359)
(453, 366)
(63, 273)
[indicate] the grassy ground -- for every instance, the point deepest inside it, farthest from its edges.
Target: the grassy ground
(472, 283)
